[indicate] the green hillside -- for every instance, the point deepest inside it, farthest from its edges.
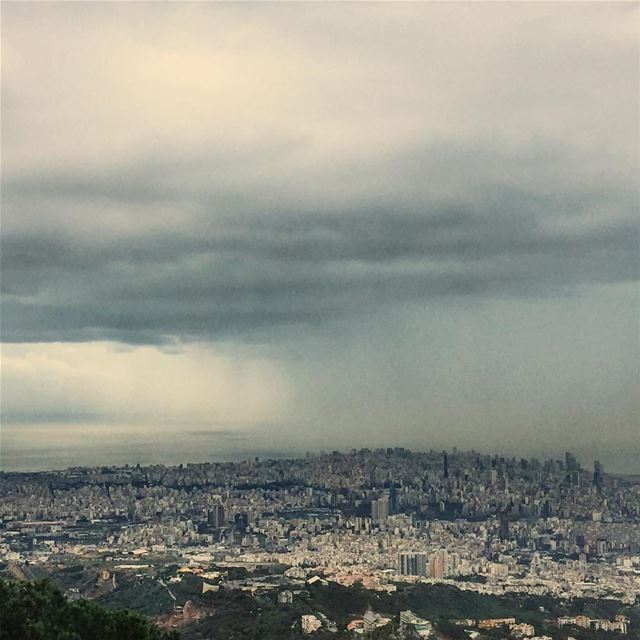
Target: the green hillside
(39, 611)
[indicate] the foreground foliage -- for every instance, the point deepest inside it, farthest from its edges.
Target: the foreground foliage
(39, 611)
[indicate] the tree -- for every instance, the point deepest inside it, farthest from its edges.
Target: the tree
(39, 611)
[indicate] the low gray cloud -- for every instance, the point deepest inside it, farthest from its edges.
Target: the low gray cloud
(208, 271)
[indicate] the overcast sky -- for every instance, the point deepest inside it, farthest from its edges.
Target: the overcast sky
(324, 225)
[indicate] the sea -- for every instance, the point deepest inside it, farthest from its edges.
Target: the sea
(50, 446)
(55, 447)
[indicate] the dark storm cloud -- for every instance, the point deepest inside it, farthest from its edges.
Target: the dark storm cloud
(211, 274)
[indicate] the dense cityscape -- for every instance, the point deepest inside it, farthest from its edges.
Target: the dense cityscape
(383, 521)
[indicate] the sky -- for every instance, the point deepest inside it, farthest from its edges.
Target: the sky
(309, 226)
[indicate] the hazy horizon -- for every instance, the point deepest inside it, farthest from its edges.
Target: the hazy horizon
(61, 446)
(320, 226)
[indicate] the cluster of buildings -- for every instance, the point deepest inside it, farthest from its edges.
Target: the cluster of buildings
(411, 626)
(487, 523)
(434, 565)
(619, 623)
(369, 622)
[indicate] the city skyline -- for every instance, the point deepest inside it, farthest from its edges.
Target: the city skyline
(290, 227)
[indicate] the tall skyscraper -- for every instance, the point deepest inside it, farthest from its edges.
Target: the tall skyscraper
(504, 528)
(437, 563)
(393, 500)
(445, 465)
(380, 508)
(598, 479)
(571, 464)
(215, 516)
(241, 521)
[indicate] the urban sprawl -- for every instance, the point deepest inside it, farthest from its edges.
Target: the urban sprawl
(379, 518)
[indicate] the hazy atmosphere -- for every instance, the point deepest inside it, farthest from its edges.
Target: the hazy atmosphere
(253, 229)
